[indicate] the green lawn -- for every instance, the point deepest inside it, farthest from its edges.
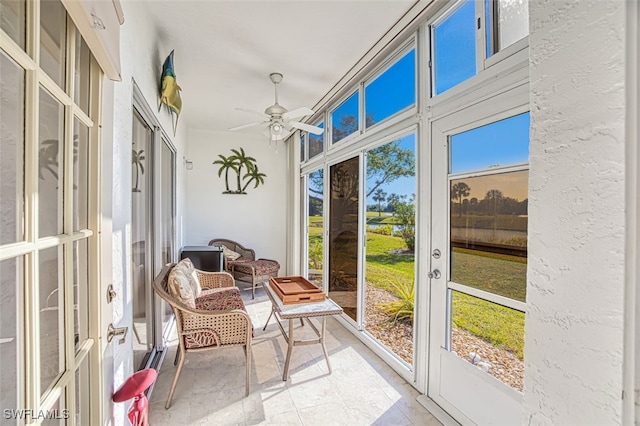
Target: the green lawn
(382, 267)
(500, 274)
(502, 327)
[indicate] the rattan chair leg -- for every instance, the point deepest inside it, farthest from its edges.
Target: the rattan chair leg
(247, 351)
(175, 382)
(178, 351)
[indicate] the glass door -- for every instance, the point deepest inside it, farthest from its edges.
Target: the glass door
(141, 237)
(389, 260)
(153, 162)
(478, 277)
(344, 186)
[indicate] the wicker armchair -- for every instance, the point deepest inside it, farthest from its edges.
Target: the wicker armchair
(216, 319)
(247, 267)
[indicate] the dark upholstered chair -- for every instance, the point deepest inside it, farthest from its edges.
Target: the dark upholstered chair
(241, 262)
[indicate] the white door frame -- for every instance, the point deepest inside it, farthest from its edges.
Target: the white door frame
(454, 384)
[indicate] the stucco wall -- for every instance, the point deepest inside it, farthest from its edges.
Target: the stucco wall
(574, 325)
(142, 55)
(256, 220)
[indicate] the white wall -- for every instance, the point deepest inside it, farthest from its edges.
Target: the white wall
(256, 220)
(574, 325)
(142, 55)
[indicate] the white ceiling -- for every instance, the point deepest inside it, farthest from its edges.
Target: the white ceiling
(225, 51)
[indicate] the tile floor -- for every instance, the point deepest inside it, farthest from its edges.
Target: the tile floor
(362, 390)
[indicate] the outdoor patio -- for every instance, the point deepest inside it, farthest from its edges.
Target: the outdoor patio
(361, 390)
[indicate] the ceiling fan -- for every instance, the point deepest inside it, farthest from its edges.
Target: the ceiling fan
(278, 120)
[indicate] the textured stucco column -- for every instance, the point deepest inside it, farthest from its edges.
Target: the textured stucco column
(574, 327)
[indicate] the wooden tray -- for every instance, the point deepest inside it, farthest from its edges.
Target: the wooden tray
(296, 289)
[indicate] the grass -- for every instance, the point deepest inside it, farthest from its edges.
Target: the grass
(500, 274)
(496, 273)
(502, 327)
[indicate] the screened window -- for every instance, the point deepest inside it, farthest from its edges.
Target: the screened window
(316, 142)
(507, 21)
(392, 91)
(345, 118)
(303, 152)
(454, 47)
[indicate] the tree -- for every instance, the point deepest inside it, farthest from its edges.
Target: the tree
(379, 197)
(493, 201)
(406, 214)
(387, 163)
(458, 191)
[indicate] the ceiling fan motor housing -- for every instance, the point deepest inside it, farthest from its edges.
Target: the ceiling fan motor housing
(275, 110)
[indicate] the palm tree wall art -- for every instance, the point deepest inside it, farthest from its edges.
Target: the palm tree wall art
(236, 163)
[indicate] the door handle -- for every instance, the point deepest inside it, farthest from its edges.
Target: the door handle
(116, 331)
(435, 274)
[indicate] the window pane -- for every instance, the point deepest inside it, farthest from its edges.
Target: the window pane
(303, 138)
(80, 291)
(488, 27)
(392, 91)
(82, 74)
(53, 20)
(502, 143)
(57, 414)
(166, 220)
(80, 175)
(513, 21)
(489, 336)
(454, 44)
(389, 282)
(344, 184)
(51, 316)
(82, 395)
(315, 204)
(489, 233)
(11, 282)
(316, 142)
(12, 20)
(50, 165)
(140, 229)
(345, 118)
(11, 151)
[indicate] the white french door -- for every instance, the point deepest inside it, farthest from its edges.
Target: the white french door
(478, 257)
(49, 218)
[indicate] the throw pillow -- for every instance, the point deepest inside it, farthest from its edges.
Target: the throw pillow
(190, 272)
(180, 286)
(230, 254)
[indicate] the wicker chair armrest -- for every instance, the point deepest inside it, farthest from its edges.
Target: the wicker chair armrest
(210, 280)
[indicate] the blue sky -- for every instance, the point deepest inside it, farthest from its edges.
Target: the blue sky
(501, 143)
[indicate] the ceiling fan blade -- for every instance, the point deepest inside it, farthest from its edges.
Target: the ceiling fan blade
(244, 126)
(308, 127)
(250, 111)
(298, 112)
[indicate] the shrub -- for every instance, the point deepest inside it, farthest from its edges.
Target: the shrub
(402, 308)
(382, 230)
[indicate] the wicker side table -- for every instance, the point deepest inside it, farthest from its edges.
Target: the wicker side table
(302, 311)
